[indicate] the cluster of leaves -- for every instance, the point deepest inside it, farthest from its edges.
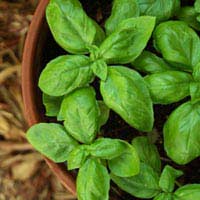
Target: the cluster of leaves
(68, 95)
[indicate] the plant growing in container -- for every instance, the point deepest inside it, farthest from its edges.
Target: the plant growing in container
(98, 64)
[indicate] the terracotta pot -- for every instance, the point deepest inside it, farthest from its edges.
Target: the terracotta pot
(39, 49)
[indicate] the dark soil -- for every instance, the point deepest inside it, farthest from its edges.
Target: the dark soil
(99, 10)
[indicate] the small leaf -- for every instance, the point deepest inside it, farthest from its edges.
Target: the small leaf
(189, 15)
(148, 152)
(127, 42)
(100, 69)
(196, 72)
(121, 10)
(181, 133)
(169, 86)
(195, 92)
(64, 74)
(72, 29)
(52, 140)
(125, 92)
(143, 185)
(188, 192)
(80, 111)
(197, 6)
(104, 113)
(52, 104)
(150, 63)
(93, 181)
(106, 148)
(178, 43)
(127, 164)
(161, 9)
(77, 157)
(168, 177)
(164, 196)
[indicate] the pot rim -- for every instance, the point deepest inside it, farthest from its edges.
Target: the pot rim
(27, 90)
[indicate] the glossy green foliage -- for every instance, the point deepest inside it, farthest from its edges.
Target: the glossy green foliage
(181, 133)
(52, 140)
(144, 185)
(161, 9)
(64, 74)
(197, 6)
(195, 92)
(80, 112)
(164, 196)
(169, 86)
(121, 10)
(93, 181)
(104, 113)
(128, 41)
(52, 104)
(150, 63)
(125, 92)
(72, 29)
(189, 15)
(168, 177)
(188, 192)
(147, 152)
(127, 164)
(178, 43)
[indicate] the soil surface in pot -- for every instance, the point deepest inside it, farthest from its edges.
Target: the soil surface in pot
(99, 10)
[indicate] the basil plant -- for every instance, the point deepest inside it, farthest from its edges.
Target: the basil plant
(113, 56)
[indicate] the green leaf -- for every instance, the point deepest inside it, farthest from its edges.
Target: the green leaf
(127, 42)
(125, 92)
(100, 69)
(64, 74)
(127, 164)
(197, 6)
(188, 192)
(80, 111)
(52, 140)
(150, 63)
(121, 10)
(169, 86)
(161, 9)
(104, 113)
(178, 43)
(168, 177)
(164, 196)
(189, 15)
(148, 152)
(195, 92)
(196, 72)
(106, 148)
(181, 133)
(143, 185)
(77, 157)
(52, 104)
(72, 29)
(93, 181)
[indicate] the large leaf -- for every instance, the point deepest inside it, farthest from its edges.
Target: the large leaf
(128, 41)
(72, 29)
(143, 185)
(169, 86)
(127, 164)
(125, 92)
(52, 140)
(52, 104)
(121, 10)
(104, 113)
(64, 74)
(181, 133)
(168, 177)
(80, 111)
(93, 181)
(161, 9)
(189, 15)
(148, 152)
(106, 148)
(195, 92)
(178, 43)
(150, 63)
(188, 192)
